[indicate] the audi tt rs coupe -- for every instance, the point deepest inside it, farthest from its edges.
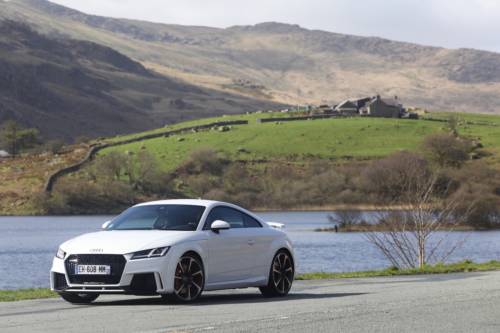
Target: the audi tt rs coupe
(176, 249)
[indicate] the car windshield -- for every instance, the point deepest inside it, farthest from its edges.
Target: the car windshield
(159, 217)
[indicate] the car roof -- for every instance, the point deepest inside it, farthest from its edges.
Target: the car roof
(195, 202)
(200, 202)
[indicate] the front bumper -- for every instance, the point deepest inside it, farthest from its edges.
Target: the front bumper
(132, 277)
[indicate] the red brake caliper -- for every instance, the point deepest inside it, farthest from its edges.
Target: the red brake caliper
(178, 271)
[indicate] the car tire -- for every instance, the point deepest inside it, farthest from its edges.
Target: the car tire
(281, 275)
(189, 280)
(79, 298)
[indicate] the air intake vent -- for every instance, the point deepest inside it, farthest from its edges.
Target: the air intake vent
(143, 282)
(60, 281)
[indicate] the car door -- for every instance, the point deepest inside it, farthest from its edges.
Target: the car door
(231, 253)
(262, 242)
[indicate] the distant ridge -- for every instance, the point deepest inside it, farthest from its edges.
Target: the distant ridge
(329, 67)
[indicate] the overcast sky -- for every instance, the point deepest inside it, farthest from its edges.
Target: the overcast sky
(447, 23)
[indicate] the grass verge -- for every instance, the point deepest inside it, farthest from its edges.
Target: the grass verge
(462, 266)
(24, 294)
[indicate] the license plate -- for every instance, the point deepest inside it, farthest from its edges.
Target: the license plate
(93, 269)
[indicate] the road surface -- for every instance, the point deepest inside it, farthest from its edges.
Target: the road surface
(463, 302)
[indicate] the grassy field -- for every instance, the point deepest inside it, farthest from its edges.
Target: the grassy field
(294, 141)
(463, 266)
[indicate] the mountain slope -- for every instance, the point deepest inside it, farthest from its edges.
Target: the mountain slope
(280, 58)
(67, 88)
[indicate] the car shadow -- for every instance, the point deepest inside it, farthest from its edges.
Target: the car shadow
(217, 299)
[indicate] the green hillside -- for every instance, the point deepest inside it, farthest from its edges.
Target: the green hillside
(301, 164)
(297, 141)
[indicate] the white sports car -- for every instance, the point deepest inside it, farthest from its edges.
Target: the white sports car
(176, 249)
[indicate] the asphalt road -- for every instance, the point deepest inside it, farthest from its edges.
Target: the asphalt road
(464, 302)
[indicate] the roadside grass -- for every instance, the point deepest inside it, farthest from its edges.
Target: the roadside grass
(25, 294)
(462, 266)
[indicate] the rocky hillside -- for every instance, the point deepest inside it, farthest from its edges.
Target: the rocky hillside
(67, 88)
(281, 58)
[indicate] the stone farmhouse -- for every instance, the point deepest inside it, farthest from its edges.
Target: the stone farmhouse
(382, 107)
(374, 106)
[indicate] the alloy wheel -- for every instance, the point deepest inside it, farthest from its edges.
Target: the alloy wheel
(282, 273)
(189, 278)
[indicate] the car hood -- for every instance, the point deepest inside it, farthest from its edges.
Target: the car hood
(127, 241)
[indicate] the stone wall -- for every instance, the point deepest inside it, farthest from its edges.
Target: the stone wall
(267, 120)
(73, 168)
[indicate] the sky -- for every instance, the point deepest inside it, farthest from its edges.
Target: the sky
(446, 23)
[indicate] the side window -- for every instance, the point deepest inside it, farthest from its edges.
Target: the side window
(231, 216)
(250, 222)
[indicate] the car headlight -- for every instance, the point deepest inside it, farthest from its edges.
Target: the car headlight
(60, 254)
(153, 253)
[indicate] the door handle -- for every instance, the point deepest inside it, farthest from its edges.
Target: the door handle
(251, 242)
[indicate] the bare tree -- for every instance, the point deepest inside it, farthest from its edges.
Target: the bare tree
(445, 149)
(112, 164)
(344, 218)
(413, 229)
(140, 167)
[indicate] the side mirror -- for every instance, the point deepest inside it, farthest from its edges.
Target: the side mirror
(220, 225)
(105, 225)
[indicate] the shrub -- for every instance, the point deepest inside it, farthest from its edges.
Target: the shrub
(387, 178)
(53, 146)
(201, 184)
(206, 159)
(51, 205)
(76, 191)
(115, 191)
(82, 139)
(159, 183)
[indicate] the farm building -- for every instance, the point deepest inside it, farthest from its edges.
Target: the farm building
(382, 107)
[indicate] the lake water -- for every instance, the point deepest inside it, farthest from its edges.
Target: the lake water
(28, 245)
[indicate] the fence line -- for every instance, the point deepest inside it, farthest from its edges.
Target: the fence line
(73, 168)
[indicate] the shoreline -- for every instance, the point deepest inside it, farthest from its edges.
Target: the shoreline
(378, 229)
(307, 208)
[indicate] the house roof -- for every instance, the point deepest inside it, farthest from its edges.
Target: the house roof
(346, 105)
(390, 102)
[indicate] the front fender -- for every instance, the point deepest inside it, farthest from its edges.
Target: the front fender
(167, 275)
(276, 245)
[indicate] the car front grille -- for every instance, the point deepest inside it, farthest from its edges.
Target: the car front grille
(117, 263)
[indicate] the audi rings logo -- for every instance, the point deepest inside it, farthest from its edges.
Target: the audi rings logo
(96, 250)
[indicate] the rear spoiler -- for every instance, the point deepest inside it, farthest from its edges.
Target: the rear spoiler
(276, 225)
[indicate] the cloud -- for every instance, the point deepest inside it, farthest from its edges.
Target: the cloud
(446, 23)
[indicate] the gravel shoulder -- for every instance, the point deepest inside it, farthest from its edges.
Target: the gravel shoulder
(462, 302)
